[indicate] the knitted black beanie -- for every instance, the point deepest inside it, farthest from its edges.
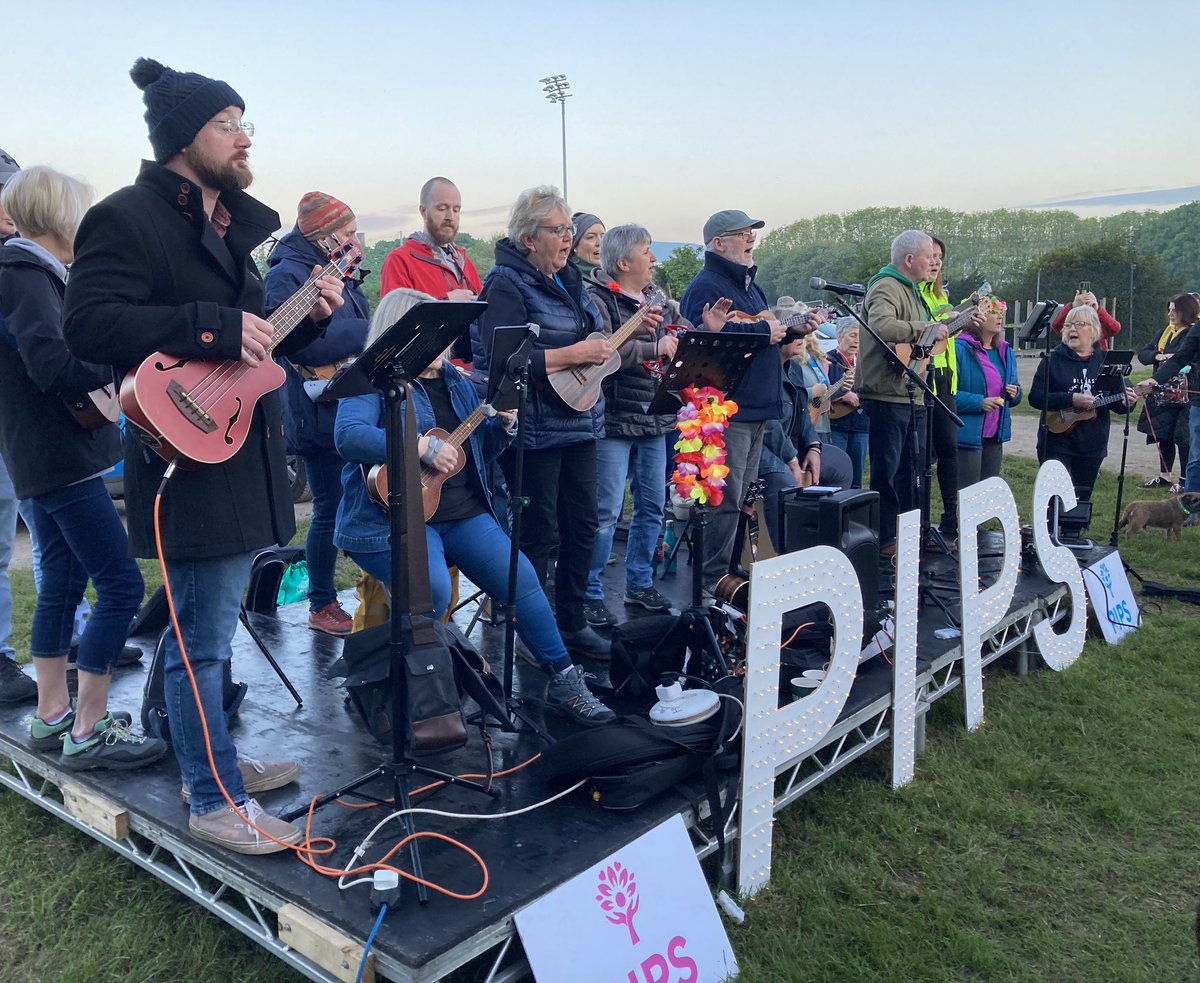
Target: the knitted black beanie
(178, 104)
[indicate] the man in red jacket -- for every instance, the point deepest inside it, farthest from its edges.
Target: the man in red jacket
(429, 261)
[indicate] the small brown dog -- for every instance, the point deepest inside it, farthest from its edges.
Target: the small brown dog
(1168, 514)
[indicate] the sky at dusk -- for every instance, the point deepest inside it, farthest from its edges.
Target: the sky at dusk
(678, 109)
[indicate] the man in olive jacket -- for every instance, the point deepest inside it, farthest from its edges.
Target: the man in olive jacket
(164, 265)
(895, 312)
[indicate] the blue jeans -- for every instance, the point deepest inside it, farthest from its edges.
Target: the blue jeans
(855, 446)
(81, 535)
(208, 597)
(8, 532)
(1192, 474)
(324, 470)
(479, 548)
(35, 555)
(645, 475)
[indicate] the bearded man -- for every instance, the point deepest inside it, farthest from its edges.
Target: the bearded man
(165, 266)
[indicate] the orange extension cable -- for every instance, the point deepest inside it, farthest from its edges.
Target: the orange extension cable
(311, 848)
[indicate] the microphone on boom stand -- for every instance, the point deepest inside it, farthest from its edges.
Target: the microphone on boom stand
(851, 289)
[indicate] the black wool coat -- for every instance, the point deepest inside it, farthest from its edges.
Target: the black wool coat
(42, 444)
(151, 274)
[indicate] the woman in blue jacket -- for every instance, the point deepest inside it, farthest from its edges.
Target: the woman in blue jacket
(308, 425)
(988, 388)
(463, 532)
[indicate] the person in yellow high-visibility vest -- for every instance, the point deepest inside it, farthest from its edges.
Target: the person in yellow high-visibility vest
(944, 449)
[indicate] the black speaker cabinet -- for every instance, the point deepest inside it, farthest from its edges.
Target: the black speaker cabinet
(846, 520)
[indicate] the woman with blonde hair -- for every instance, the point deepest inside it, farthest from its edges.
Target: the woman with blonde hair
(43, 393)
(814, 370)
(1164, 418)
(463, 532)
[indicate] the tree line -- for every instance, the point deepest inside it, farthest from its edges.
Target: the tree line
(1140, 259)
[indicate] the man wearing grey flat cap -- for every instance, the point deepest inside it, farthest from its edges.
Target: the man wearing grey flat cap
(725, 284)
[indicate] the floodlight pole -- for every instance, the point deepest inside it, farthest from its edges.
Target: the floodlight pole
(555, 87)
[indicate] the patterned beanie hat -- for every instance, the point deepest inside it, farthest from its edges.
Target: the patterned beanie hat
(178, 104)
(319, 214)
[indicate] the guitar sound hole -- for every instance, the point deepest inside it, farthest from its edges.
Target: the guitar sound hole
(233, 421)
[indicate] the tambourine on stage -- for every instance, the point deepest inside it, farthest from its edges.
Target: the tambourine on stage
(792, 738)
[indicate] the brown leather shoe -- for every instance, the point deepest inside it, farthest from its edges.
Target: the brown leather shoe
(332, 620)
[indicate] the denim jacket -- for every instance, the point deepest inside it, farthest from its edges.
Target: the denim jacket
(362, 526)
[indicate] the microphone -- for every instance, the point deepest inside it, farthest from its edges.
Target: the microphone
(854, 289)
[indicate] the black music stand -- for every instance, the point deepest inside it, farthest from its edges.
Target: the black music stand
(1117, 366)
(507, 389)
(1038, 322)
(717, 359)
(388, 366)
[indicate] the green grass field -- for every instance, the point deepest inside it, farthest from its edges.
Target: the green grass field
(1055, 844)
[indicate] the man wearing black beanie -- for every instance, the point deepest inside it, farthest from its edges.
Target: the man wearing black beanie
(164, 266)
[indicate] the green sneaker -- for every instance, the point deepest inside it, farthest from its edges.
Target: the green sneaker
(48, 737)
(111, 746)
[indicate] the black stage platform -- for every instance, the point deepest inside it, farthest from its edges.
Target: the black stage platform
(526, 856)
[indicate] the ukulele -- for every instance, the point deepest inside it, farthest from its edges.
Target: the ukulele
(917, 355)
(95, 409)
(826, 397)
(797, 325)
(579, 386)
(196, 411)
(432, 479)
(1064, 421)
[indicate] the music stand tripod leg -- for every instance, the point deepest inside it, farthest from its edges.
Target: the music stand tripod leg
(244, 617)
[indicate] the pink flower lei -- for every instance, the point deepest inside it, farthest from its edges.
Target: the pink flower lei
(700, 469)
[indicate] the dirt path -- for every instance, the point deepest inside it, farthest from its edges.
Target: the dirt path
(1141, 459)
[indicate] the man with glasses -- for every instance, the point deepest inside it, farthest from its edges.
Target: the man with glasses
(725, 284)
(533, 282)
(896, 441)
(164, 265)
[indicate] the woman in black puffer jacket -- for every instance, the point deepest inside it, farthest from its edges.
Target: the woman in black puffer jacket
(533, 282)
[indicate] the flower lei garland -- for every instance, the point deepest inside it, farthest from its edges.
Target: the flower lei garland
(700, 470)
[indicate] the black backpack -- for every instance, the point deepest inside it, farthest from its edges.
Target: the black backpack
(266, 574)
(631, 760)
(154, 704)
